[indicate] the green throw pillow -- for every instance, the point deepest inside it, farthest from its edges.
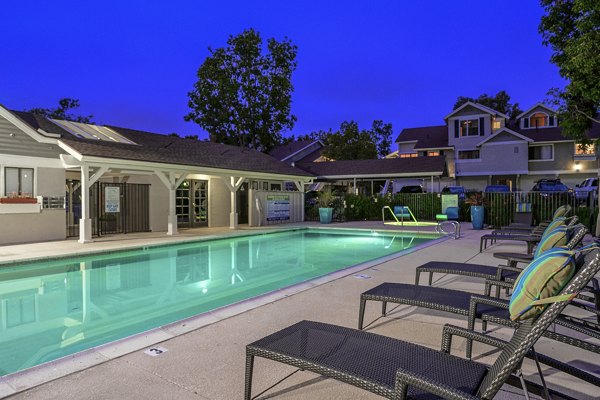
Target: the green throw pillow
(544, 277)
(557, 237)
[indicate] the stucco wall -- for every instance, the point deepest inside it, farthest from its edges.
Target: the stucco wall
(47, 225)
(50, 182)
(218, 203)
(406, 147)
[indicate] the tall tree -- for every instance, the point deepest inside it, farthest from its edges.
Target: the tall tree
(572, 29)
(65, 105)
(351, 143)
(243, 95)
(499, 102)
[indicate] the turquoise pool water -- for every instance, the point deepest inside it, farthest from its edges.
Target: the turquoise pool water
(50, 309)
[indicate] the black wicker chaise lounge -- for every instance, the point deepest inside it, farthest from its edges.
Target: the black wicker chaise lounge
(396, 369)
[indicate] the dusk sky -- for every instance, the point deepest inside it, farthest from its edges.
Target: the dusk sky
(131, 63)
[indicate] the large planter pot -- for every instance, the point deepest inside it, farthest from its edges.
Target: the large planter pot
(325, 215)
(477, 214)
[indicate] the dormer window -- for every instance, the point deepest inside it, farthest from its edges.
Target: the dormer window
(539, 120)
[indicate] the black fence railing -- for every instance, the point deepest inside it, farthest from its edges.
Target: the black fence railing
(500, 208)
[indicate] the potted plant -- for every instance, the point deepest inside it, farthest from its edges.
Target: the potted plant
(325, 202)
(477, 202)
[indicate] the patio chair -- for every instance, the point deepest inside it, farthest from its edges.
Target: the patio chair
(397, 369)
(501, 272)
(492, 309)
(531, 239)
(519, 226)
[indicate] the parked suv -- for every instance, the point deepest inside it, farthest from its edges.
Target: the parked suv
(459, 190)
(497, 189)
(547, 187)
(412, 189)
(587, 190)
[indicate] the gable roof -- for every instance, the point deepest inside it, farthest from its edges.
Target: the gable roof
(153, 147)
(284, 151)
(479, 106)
(553, 134)
(388, 167)
(427, 137)
(534, 107)
(505, 130)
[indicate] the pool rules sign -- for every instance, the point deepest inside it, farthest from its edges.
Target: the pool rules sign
(112, 199)
(278, 207)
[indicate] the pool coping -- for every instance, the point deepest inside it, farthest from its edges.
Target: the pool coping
(23, 380)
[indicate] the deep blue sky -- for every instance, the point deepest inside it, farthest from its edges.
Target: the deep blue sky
(131, 63)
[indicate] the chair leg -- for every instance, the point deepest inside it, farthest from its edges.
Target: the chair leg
(361, 313)
(248, 383)
(430, 278)
(417, 277)
(383, 308)
(480, 245)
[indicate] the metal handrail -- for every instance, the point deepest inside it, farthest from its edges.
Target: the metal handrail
(439, 228)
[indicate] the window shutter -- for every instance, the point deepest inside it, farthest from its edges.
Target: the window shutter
(481, 126)
(525, 122)
(456, 130)
(551, 119)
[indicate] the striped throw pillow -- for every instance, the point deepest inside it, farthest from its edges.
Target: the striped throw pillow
(557, 237)
(554, 224)
(562, 211)
(543, 279)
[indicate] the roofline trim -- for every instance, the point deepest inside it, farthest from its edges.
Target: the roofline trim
(504, 129)
(386, 175)
(302, 149)
(476, 105)
(534, 106)
(25, 127)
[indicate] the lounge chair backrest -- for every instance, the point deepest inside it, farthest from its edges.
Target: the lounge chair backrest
(530, 331)
(402, 211)
(577, 234)
(562, 211)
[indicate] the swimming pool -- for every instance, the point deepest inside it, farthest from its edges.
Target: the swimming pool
(50, 309)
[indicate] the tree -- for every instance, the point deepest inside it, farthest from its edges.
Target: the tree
(572, 29)
(243, 95)
(351, 143)
(500, 102)
(62, 111)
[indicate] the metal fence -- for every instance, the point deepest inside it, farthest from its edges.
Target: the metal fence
(500, 208)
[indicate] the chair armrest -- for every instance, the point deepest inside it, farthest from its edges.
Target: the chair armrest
(405, 378)
(452, 330)
(489, 283)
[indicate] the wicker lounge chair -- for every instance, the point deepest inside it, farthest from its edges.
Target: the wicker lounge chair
(397, 369)
(507, 272)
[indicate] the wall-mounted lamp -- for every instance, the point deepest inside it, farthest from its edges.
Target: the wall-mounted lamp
(577, 166)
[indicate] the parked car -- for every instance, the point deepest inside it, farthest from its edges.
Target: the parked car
(459, 190)
(547, 187)
(497, 189)
(412, 189)
(587, 190)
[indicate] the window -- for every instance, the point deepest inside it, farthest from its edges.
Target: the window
(496, 124)
(538, 120)
(585, 149)
(433, 153)
(18, 182)
(468, 154)
(545, 152)
(408, 155)
(469, 127)
(276, 186)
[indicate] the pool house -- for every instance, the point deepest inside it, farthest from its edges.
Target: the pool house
(63, 179)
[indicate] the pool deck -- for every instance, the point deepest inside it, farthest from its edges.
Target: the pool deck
(205, 355)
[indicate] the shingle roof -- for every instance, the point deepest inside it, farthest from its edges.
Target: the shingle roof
(37, 121)
(427, 137)
(281, 152)
(384, 167)
(553, 134)
(152, 147)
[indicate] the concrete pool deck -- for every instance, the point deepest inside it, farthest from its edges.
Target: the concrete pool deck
(208, 361)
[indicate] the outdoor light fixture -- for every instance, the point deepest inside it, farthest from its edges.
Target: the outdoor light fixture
(577, 166)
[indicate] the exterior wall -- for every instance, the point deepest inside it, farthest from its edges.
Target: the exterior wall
(16, 142)
(406, 147)
(497, 158)
(50, 182)
(472, 182)
(564, 155)
(468, 142)
(219, 203)
(47, 225)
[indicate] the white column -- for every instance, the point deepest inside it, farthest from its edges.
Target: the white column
(85, 223)
(233, 215)
(172, 217)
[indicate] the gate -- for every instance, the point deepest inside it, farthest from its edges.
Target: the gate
(114, 208)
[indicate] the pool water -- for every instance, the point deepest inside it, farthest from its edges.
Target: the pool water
(50, 309)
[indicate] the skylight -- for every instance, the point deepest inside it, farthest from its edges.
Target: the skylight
(92, 132)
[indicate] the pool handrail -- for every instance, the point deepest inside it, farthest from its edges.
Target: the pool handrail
(455, 224)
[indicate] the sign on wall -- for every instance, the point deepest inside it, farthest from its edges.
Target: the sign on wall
(112, 199)
(449, 200)
(278, 207)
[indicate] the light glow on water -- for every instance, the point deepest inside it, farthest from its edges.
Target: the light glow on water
(50, 309)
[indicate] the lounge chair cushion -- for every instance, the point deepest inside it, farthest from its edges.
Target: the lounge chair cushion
(560, 221)
(544, 277)
(557, 237)
(562, 211)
